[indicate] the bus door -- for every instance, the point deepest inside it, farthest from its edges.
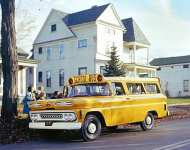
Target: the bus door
(136, 92)
(121, 110)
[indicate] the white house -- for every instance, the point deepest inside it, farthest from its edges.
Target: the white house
(174, 73)
(80, 42)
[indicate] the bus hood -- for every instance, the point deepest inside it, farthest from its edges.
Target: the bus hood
(63, 104)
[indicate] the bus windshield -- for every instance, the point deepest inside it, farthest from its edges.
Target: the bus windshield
(95, 89)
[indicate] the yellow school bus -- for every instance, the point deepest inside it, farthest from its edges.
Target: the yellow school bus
(93, 102)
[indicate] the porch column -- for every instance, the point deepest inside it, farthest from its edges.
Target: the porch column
(135, 72)
(34, 77)
(19, 81)
(24, 81)
(131, 56)
(134, 51)
(148, 56)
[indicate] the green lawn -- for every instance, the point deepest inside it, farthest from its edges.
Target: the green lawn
(178, 100)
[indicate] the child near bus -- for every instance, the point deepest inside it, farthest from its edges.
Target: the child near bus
(30, 96)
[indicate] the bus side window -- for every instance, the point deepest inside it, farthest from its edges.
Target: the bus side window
(152, 88)
(135, 88)
(118, 89)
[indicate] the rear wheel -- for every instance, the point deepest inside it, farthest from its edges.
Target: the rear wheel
(148, 122)
(91, 128)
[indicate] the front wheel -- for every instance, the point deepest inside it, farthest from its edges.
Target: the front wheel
(91, 128)
(148, 122)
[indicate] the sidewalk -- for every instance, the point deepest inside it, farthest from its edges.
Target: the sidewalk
(178, 111)
(181, 104)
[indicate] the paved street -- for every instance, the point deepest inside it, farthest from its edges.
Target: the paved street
(168, 135)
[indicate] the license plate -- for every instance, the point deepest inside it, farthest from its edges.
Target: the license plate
(48, 123)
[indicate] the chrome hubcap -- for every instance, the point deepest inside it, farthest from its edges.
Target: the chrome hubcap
(92, 128)
(148, 120)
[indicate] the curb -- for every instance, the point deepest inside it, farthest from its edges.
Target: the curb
(182, 104)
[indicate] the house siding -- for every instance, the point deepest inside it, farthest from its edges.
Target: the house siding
(62, 31)
(172, 77)
(73, 58)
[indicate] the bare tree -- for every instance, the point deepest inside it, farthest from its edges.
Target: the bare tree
(9, 67)
(25, 25)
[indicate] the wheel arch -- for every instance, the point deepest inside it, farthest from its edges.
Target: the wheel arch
(154, 113)
(99, 115)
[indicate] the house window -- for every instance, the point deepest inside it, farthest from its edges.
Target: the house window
(185, 66)
(40, 50)
(53, 28)
(82, 70)
(30, 70)
(109, 46)
(61, 77)
(48, 79)
(186, 85)
(61, 52)
(82, 43)
(48, 53)
(40, 78)
(102, 70)
(110, 30)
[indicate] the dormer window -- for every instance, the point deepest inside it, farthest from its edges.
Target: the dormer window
(82, 43)
(53, 28)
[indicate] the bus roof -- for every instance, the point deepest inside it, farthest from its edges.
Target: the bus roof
(131, 79)
(97, 78)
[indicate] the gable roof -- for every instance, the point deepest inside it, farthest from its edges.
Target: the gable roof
(84, 16)
(133, 33)
(21, 53)
(170, 60)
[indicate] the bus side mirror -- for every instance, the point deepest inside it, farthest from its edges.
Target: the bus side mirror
(65, 91)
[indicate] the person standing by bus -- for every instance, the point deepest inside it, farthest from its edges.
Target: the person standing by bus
(41, 94)
(30, 96)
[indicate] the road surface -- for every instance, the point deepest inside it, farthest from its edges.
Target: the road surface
(167, 135)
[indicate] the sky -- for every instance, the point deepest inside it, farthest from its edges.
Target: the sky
(166, 23)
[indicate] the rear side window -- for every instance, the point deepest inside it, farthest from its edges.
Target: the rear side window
(135, 88)
(151, 88)
(118, 89)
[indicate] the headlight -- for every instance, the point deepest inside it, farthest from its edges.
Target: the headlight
(69, 117)
(34, 117)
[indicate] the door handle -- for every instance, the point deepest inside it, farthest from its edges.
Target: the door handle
(127, 98)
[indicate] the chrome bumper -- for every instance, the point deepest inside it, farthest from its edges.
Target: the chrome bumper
(56, 125)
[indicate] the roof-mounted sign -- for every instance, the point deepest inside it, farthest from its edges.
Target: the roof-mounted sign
(90, 78)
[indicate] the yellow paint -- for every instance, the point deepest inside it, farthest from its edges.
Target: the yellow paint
(115, 110)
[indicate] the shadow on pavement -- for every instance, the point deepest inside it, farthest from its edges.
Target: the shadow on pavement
(74, 136)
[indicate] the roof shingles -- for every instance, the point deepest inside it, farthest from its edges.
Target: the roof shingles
(170, 60)
(84, 16)
(133, 33)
